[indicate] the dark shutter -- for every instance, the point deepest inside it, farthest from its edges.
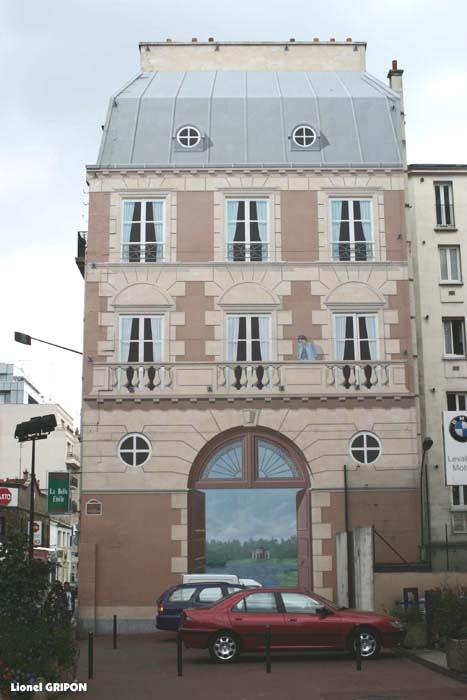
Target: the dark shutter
(349, 346)
(365, 353)
(241, 342)
(133, 352)
(255, 342)
(196, 532)
(305, 581)
(148, 350)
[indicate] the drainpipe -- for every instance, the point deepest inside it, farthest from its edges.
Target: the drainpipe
(427, 444)
(350, 587)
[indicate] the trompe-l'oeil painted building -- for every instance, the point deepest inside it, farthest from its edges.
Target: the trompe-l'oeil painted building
(247, 321)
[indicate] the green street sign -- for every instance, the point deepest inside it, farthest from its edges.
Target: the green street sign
(59, 492)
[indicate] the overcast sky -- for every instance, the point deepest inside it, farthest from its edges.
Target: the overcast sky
(62, 59)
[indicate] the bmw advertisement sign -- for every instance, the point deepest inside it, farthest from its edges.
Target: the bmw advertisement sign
(455, 447)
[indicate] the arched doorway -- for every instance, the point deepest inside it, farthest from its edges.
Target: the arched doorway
(255, 458)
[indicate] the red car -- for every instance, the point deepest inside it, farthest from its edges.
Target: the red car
(296, 620)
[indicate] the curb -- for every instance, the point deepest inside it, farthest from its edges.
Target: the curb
(461, 677)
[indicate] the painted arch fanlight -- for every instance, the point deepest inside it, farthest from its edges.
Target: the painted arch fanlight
(250, 459)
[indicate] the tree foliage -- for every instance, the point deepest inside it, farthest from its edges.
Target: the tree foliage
(450, 613)
(219, 551)
(36, 639)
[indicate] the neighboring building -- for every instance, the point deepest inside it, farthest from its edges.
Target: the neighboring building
(247, 320)
(438, 221)
(15, 387)
(61, 541)
(59, 452)
(15, 497)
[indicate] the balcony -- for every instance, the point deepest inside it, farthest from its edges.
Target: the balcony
(73, 459)
(80, 259)
(249, 252)
(143, 252)
(361, 251)
(239, 379)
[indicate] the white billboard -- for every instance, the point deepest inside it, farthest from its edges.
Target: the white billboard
(455, 447)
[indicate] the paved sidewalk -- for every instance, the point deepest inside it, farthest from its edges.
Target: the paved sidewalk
(144, 667)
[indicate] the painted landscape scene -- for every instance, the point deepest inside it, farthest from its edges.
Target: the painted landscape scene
(252, 533)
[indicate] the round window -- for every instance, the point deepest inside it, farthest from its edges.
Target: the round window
(188, 136)
(134, 450)
(303, 136)
(365, 448)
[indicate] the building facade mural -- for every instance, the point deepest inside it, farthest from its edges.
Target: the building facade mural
(247, 286)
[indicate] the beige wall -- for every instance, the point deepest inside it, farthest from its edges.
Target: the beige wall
(195, 226)
(242, 56)
(128, 552)
(301, 288)
(389, 587)
(299, 225)
(322, 433)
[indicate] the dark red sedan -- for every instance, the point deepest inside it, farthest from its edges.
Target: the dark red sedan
(296, 620)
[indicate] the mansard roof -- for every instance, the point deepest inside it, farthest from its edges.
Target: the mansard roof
(246, 119)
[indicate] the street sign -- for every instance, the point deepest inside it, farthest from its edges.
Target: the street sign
(8, 497)
(59, 492)
(455, 447)
(37, 533)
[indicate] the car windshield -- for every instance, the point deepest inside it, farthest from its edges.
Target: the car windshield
(328, 602)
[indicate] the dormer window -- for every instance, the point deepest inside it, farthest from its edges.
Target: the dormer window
(304, 136)
(188, 137)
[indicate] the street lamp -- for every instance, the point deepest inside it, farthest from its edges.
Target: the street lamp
(427, 444)
(37, 428)
(25, 339)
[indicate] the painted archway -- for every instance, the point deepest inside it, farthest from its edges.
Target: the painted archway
(250, 458)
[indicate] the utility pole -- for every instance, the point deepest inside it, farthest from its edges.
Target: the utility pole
(38, 428)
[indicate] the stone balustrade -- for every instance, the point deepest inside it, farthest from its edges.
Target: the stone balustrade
(289, 378)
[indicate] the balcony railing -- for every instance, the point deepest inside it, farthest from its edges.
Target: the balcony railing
(252, 252)
(445, 215)
(142, 252)
(359, 251)
(291, 378)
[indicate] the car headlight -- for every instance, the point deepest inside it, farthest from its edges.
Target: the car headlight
(398, 624)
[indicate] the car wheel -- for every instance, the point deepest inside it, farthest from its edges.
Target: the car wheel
(370, 646)
(224, 647)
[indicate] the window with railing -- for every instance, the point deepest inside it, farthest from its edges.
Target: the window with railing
(143, 231)
(459, 496)
(247, 230)
(449, 257)
(444, 204)
(454, 337)
(141, 338)
(248, 338)
(355, 337)
(351, 230)
(456, 402)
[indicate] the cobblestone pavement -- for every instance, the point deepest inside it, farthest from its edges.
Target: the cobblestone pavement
(145, 667)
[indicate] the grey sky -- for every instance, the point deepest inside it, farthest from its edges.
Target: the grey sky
(62, 59)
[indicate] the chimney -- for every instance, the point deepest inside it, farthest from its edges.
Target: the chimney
(395, 83)
(211, 39)
(395, 77)
(194, 40)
